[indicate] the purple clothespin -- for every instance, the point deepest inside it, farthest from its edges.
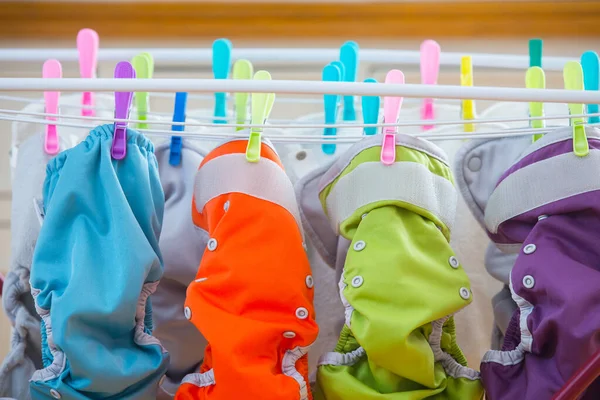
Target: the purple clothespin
(124, 69)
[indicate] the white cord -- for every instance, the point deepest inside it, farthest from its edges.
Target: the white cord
(301, 125)
(315, 139)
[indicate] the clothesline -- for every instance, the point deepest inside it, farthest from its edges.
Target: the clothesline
(303, 125)
(299, 87)
(287, 55)
(302, 139)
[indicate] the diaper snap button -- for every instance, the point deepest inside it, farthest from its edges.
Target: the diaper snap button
(187, 312)
(528, 281)
(226, 206)
(530, 248)
(541, 217)
(212, 244)
(453, 261)
(309, 281)
(465, 293)
(358, 246)
(363, 216)
(289, 335)
(357, 281)
(301, 313)
(55, 394)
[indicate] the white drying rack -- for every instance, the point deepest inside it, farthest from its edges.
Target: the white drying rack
(299, 87)
(285, 55)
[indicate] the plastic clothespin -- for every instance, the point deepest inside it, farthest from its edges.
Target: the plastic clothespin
(430, 70)
(143, 64)
(391, 112)
(573, 77)
(242, 69)
(262, 104)
(123, 70)
(370, 110)
(535, 52)
(591, 69)
(221, 59)
(51, 69)
(331, 73)
(178, 116)
(536, 79)
(466, 79)
(88, 43)
(349, 57)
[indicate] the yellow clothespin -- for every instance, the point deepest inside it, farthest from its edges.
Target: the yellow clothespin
(536, 79)
(242, 69)
(262, 104)
(466, 79)
(143, 64)
(573, 77)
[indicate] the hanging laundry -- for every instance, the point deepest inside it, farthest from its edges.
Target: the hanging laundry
(479, 165)
(96, 262)
(181, 245)
(400, 218)
(24, 355)
(544, 209)
(253, 294)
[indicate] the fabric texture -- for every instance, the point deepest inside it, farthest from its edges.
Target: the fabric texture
(554, 281)
(96, 262)
(400, 275)
(24, 355)
(478, 166)
(253, 294)
(182, 246)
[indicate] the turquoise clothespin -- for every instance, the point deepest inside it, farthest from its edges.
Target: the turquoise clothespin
(331, 73)
(221, 65)
(591, 69)
(370, 110)
(535, 52)
(349, 57)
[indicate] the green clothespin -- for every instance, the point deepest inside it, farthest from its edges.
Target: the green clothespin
(242, 69)
(262, 104)
(535, 52)
(573, 77)
(143, 64)
(536, 79)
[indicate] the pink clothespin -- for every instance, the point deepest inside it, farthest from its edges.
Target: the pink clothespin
(123, 70)
(430, 70)
(87, 46)
(391, 111)
(51, 69)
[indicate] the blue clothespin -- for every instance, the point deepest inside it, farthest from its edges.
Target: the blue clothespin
(370, 110)
(591, 69)
(349, 57)
(535, 52)
(178, 116)
(221, 65)
(331, 73)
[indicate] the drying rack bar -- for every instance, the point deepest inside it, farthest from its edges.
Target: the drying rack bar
(286, 55)
(299, 87)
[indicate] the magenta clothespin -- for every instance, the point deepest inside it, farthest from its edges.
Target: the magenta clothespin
(430, 70)
(391, 111)
(51, 69)
(88, 43)
(123, 70)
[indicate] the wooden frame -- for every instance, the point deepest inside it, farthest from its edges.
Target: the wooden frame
(284, 19)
